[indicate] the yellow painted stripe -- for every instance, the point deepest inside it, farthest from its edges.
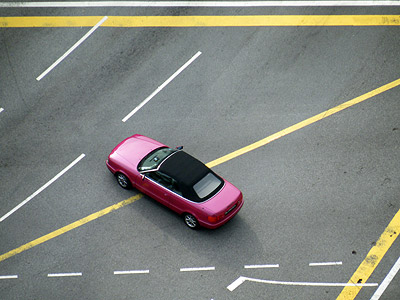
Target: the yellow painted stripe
(304, 123)
(372, 259)
(203, 21)
(69, 227)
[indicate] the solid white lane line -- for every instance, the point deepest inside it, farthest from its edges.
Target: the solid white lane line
(260, 266)
(197, 269)
(131, 272)
(42, 188)
(162, 86)
(385, 283)
(242, 279)
(9, 277)
(71, 49)
(200, 3)
(64, 274)
(336, 263)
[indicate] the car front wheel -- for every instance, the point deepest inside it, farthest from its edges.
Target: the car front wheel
(123, 181)
(191, 221)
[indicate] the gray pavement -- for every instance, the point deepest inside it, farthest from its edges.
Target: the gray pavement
(324, 193)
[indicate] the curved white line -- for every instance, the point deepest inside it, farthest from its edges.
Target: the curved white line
(242, 279)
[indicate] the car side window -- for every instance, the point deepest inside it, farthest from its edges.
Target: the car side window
(165, 181)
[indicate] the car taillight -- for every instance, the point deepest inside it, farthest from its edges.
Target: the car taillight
(215, 219)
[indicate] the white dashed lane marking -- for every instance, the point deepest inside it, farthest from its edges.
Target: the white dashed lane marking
(131, 272)
(9, 277)
(260, 266)
(197, 269)
(322, 264)
(64, 274)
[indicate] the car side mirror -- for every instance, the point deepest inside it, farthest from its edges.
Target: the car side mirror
(179, 147)
(143, 176)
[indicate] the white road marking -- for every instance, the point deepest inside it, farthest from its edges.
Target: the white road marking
(42, 188)
(64, 274)
(236, 283)
(260, 266)
(131, 272)
(197, 269)
(71, 49)
(1, 109)
(200, 3)
(162, 86)
(336, 263)
(9, 277)
(385, 283)
(242, 279)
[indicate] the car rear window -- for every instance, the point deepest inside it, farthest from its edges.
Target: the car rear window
(207, 185)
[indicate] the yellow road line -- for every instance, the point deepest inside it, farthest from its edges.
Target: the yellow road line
(304, 123)
(372, 259)
(203, 21)
(69, 227)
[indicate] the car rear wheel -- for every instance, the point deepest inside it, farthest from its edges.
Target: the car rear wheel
(191, 221)
(123, 181)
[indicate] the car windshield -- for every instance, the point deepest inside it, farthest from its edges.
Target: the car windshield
(207, 185)
(154, 159)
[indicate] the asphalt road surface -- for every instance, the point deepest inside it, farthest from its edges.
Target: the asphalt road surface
(316, 200)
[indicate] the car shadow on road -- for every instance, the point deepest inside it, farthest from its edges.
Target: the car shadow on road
(234, 240)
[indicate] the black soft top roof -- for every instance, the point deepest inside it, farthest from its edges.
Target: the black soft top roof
(183, 167)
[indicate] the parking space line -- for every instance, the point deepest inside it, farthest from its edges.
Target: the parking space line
(260, 266)
(373, 258)
(276, 3)
(203, 21)
(197, 269)
(42, 188)
(69, 227)
(131, 272)
(76, 45)
(303, 124)
(336, 263)
(64, 274)
(385, 283)
(172, 77)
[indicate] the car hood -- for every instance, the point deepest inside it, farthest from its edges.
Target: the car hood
(134, 148)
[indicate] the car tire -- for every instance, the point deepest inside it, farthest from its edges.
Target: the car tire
(191, 221)
(123, 181)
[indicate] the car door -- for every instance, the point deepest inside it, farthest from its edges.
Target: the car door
(154, 185)
(168, 191)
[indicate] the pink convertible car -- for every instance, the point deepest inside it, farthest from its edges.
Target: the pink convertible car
(175, 179)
